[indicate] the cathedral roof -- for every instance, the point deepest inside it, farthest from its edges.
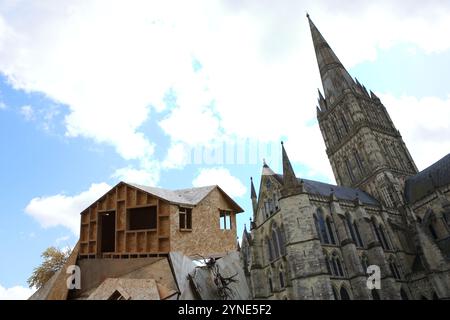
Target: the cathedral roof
(341, 192)
(425, 182)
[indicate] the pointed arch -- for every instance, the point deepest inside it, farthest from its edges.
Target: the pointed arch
(270, 252)
(281, 240)
(336, 130)
(344, 293)
(344, 123)
(364, 262)
(350, 170)
(322, 227)
(359, 161)
(275, 241)
(359, 242)
(334, 270)
(330, 228)
(281, 277)
(376, 229)
(350, 227)
(394, 268)
(269, 278)
(338, 268)
(275, 201)
(316, 224)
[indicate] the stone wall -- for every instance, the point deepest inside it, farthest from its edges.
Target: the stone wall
(206, 236)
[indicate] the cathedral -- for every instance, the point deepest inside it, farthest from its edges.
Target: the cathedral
(313, 240)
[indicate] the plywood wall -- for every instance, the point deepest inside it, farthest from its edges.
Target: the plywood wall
(127, 242)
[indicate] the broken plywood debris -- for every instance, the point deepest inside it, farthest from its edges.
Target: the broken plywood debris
(126, 289)
(221, 279)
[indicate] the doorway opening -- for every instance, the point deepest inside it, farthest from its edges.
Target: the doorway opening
(108, 231)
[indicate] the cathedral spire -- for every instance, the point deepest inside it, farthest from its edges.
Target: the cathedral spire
(253, 197)
(291, 185)
(252, 187)
(335, 78)
(266, 171)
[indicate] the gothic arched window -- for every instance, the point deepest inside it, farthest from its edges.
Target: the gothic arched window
(275, 201)
(281, 240)
(359, 161)
(328, 264)
(331, 231)
(432, 231)
(394, 269)
(276, 243)
(385, 238)
(281, 275)
(338, 133)
(350, 228)
(349, 170)
(344, 294)
(338, 269)
(344, 123)
(401, 156)
(380, 235)
(359, 241)
(364, 263)
(334, 271)
(322, 227)
(316, 224)
(269, 249)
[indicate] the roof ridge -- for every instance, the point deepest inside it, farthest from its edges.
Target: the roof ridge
(193, 188)
(341, 192)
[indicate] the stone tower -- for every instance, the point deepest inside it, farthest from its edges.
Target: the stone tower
(364, 148)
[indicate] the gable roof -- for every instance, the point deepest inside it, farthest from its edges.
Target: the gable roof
(425, 182)
(341, 192)
(189, 196)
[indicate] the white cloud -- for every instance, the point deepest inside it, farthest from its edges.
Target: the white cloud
(109, 61)
(221, 177)
(15, 293)
(178, 155)
(64, 210)
(27, 112)
(423, 124)
(61, 239)
(147, 176)
(3, 105)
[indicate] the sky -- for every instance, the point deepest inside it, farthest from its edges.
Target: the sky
(178, 94)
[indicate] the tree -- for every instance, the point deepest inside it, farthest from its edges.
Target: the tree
(54, 260)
